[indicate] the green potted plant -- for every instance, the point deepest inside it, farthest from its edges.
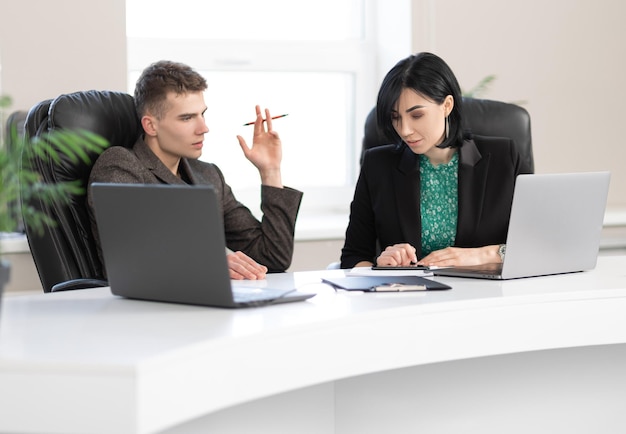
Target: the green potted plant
(480, 88)
(19, 182)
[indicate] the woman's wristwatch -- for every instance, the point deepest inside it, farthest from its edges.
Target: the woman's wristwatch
(502, 251)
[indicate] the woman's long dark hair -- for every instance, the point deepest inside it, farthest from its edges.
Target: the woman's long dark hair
(431, 77)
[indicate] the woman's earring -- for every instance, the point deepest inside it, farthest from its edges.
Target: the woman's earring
(447, 127)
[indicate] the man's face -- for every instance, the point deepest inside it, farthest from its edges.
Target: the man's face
(180, 131)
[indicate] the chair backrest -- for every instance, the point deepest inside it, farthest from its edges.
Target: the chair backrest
(67, 251)
(483, 117)
(15, 131)
(15, 120)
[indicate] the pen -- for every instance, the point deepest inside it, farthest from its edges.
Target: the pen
(398, 287)
(273, 117)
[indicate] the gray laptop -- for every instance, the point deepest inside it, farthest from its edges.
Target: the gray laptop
(555, 227)
(166, 243)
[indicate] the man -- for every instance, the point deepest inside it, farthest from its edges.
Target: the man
(170, 104)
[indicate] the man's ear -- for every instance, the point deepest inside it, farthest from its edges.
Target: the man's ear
(149, 125)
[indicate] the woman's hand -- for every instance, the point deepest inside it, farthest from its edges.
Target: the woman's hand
(398, 255)
(241, 266)
(457, 256)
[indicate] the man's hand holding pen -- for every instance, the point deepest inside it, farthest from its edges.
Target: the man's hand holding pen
(266, 150)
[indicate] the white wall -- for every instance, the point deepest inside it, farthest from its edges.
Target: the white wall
(50, 47)
(565, 58)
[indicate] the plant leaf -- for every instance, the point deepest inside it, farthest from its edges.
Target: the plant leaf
(20, 179)
(480, 87)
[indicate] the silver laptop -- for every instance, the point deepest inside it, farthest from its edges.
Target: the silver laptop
(166, 243)
(555, 227)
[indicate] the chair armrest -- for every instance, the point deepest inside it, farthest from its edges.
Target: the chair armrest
(78, 284)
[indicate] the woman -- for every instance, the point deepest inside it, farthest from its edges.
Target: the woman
(439, 197)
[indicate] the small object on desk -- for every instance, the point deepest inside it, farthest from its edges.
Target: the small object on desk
(385, 283)
(398, 287)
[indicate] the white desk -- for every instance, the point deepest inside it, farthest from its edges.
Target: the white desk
(541, 355)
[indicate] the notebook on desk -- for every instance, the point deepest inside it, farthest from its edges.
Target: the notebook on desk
(166, 243)
(555, 227)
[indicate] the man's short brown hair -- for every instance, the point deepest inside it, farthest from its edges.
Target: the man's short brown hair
(161, 78)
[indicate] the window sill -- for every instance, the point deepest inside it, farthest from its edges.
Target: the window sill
(13, 242)
(317, 227)
(332, 226)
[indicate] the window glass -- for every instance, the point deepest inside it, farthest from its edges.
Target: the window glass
(278, 20)
(231, 98)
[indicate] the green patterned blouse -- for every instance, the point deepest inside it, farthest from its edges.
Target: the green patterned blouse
(439, 203)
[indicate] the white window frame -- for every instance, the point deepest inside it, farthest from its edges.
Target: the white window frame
(386, 39)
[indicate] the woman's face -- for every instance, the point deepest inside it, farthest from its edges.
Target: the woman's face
(419, 121)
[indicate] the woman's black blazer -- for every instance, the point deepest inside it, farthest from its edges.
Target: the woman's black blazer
(386, 205)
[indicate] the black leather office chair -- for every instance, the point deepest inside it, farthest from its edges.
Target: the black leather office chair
(15, 121)
(65, 255)
(14, 130)
(483, 117)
